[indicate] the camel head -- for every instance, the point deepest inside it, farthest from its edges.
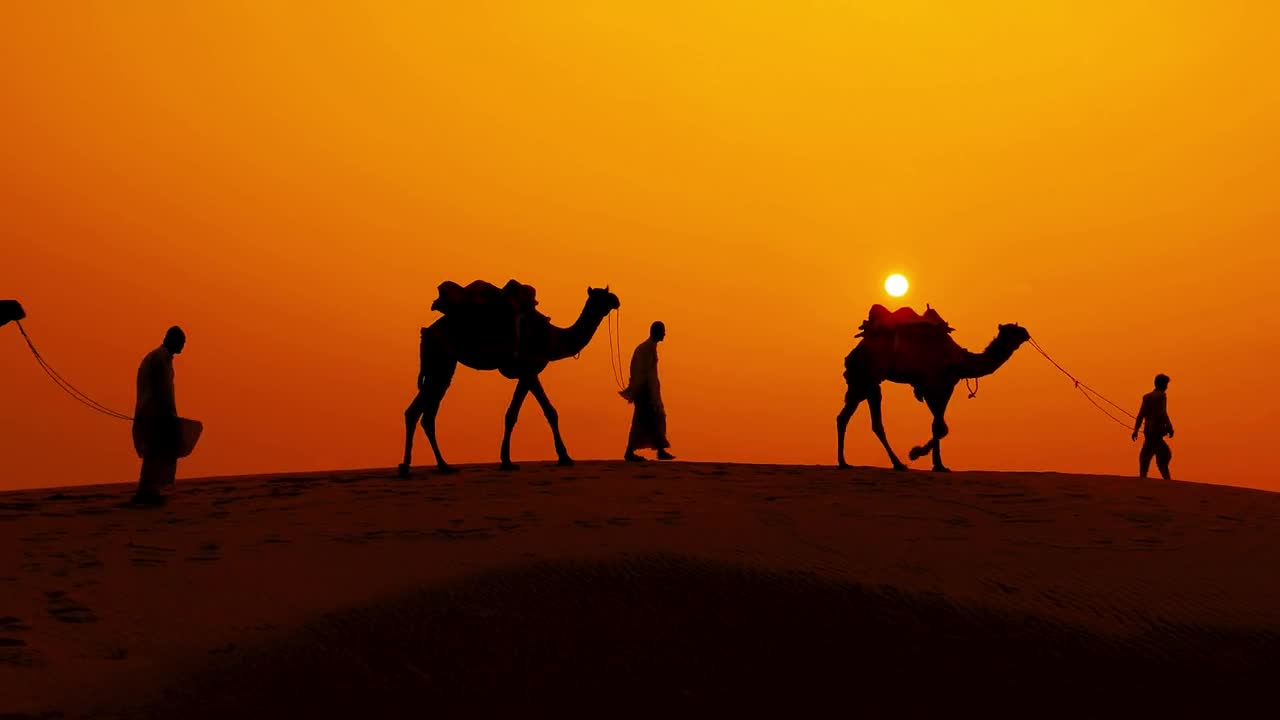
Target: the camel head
(11, 310)
(601, 302)
(1013, 335)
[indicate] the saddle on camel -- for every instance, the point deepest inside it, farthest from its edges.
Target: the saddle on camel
(511, 306)
(880, 321)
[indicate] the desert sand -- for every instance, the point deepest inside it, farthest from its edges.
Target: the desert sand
(609, 590)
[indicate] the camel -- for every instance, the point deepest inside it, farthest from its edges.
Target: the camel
(485, 340)
(10, 310)
(923, 355)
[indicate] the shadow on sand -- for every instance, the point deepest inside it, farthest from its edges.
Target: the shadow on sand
(665, 636)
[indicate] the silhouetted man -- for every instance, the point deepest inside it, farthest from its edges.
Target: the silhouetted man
(1155, 414)
(156, 429)
(10, 310)
(649, 419)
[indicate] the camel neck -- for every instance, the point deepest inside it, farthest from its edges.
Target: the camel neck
(976, 365)
(567, 342)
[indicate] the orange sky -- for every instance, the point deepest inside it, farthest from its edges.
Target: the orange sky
(290, 184)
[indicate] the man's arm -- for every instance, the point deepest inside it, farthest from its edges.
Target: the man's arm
(1137, 422)
(162, 381)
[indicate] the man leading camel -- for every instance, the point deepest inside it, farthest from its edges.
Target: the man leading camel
(1155, 414)
(649, 419)
(156, 427)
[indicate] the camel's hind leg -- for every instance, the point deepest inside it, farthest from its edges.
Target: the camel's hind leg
(874, 399)
(432, 388)
(553, 419)
(852, 398)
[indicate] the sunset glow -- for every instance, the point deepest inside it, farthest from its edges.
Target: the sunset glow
(290, 181)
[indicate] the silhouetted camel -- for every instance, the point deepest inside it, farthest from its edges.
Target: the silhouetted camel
(483, 341)
(922, 355)
(10, 310)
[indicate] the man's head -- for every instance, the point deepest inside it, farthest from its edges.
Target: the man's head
(1162, 381)
(657, 331)
(175, 339)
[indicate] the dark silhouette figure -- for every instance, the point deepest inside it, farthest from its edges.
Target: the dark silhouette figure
(1155, 415)
(916, 350)
(157, 432)
(485, 328)
(649, 417)
(10, 310)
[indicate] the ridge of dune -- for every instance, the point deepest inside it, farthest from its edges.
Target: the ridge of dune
(105, 608)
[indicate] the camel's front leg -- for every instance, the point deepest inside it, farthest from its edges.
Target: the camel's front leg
(937, 403)
(877, 426)
(513, 413)
(852, 399)
(412, 414)
(553, 419)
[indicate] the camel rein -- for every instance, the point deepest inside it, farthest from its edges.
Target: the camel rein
(65, 386)
(615, 350)
(1088, 392)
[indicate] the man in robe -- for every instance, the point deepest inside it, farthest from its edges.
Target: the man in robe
(156, 428)
(649, 418)
(10, 310)
(1155, 415)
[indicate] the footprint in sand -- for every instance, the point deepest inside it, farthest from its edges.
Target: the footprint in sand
(504, 524)
(64, 609)
(149, 555)
(670, 517)
(208, 552)
(479, 533)
(11, 624)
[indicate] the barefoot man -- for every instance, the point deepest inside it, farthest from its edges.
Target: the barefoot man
(649, 419)
(1155, 413)
(157, 434)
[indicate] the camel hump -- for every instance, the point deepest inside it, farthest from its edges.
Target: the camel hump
(514, 296)
(881, 320)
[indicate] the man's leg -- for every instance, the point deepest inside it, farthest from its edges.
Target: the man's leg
(634, 435)
(149, 479)
(1144, 458)
(1163, 456)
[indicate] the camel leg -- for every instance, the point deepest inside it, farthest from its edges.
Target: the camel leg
(513, 414)
(877, 426)
(553, 419)
(937, 403)
(412, 414)
(852, 398)
(435, 382)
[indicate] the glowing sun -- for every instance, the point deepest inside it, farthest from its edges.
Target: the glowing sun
(896, 285)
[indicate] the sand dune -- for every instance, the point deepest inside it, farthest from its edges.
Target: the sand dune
(610, 590)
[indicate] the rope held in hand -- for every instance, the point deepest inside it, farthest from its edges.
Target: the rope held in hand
(67, 387)
(1087, 391)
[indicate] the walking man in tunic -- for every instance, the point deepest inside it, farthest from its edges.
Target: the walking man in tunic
(1155, 415)
(157, 433)
(649, 418)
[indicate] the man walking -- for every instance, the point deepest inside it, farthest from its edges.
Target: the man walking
(1155, 414)
(157, 433)
(649, 419)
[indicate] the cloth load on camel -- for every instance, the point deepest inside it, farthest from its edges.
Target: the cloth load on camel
(480, 294)
(513, 306)
(881, 320)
